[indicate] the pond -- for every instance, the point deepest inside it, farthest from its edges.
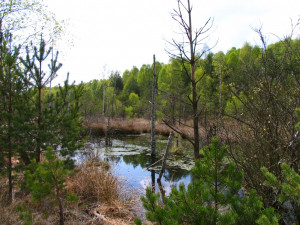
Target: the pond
(130, 157)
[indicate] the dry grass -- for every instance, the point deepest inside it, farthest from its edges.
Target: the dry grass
(103, 199)
(94, 183)
(139, 125)
(9, 215)
(106, 198)
(131, 126)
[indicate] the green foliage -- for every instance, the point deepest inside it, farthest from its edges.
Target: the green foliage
(116, 79)
(92, 98)
(25, 215)
(137, 221)
(172, 87)
(288, 188)
(268, 217)
(47, 179)
(54, 118)
(298, 115)
(132, 110)
(11, 100)
(144, 80)
(234, 106)
(129, 112)
(212, 197)
(44, 178)
(130, 83)
(133, 99)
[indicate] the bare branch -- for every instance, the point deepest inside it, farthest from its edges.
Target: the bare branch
(178, 131)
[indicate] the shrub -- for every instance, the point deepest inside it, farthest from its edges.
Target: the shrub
(212, 198)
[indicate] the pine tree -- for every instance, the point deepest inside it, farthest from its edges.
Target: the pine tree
(39, 79)
(47, 179)
(54, 119)
(213, 197)
(286, 190)
(11, 87)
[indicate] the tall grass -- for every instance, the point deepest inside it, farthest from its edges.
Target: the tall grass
(106, 196)
(103, 199)
(94, 183)
(131, 126)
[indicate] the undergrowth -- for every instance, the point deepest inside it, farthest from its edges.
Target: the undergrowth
(102, 199)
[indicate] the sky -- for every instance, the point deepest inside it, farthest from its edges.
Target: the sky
(115, 35)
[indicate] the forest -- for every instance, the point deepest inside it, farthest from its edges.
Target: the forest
(238, 110)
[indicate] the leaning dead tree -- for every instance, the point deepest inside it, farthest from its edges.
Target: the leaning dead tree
(164, 158)
(188, 51)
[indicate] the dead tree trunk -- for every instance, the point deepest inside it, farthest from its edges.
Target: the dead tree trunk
(188, 55)
(194, 84)
(103, 96)
(153, 151)
(153, 113)
(163, 166)
(103, 103)
(113, 99)
(107, 131)
(107, 138)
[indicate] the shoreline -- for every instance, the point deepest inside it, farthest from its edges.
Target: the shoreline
(124, 126)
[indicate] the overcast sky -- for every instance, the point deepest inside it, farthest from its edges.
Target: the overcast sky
(126, 33)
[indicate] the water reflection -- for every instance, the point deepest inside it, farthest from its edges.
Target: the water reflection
(136, 160)
(130, 157)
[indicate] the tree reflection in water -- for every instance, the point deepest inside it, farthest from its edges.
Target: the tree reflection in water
(130, 157)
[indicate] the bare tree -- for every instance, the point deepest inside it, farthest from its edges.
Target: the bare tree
(153, 112)
(110, 114)
(188, 52)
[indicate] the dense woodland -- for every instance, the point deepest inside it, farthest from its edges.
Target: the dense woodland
(238, 109)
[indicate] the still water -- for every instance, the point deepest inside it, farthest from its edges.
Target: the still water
(130, 157)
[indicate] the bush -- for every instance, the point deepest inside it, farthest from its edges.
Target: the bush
(47, 179)
(214, 196)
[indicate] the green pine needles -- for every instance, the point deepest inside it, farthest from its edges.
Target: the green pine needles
(46, 180)
(214, 196)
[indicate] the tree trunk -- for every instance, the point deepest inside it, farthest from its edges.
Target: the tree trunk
(103, 103)
(1, 41)
(10, 153)
(107, 138)
(112, 103)
(10, 183)
(195, 116)
(220, 104)
(38, 149)
(163, 166)
(38, 139)
(107, 131)
(61, 207)
(153, 180)
(153, 156)
(188, 57)
(194, 90)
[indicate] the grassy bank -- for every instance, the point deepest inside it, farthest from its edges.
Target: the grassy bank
(102, 199)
